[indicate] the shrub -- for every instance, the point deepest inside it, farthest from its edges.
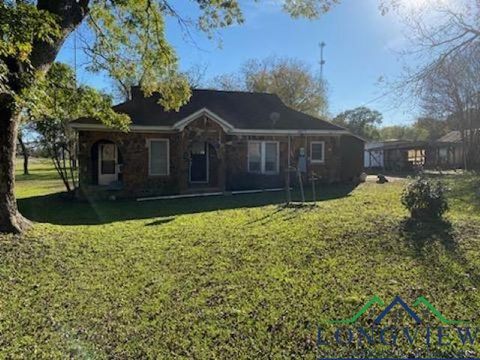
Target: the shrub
(425, 199)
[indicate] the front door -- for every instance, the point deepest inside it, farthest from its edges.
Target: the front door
(107, 164)
(199, 163)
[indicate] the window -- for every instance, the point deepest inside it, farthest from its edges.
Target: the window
(159, 157)
(263, 157)
(271, 157)
(108, 159)
(255, 157)
(317, 151)
(199, 148)
(416, 156)
(443, 154)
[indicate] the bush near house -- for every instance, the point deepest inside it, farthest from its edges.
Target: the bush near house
(425, 199)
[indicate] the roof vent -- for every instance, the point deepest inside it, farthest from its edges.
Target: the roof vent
(274, 117)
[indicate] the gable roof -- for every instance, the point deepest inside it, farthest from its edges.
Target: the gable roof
(235, 109)
(451, 137)
(455, 136)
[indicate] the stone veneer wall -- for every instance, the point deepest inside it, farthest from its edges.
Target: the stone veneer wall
(343, 159)
(134, 150)
(133, 147)
(238, 177)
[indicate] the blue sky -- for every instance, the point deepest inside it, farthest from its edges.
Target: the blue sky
(362, 46)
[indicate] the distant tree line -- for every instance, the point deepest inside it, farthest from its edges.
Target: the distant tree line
(297, 85)
(367, 123)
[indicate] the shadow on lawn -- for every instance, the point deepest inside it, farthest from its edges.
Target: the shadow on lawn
(47, 175)
(467, 191)
(422, 236)
(57, 209)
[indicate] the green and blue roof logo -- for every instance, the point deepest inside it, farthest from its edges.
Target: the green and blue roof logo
(398, 301)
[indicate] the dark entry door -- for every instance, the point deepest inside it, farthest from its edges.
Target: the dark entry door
(199, 163)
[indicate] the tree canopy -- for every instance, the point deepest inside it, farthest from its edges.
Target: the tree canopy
(291, 79)
(361, 121)
(401, 132)
(57, 98)
(424, 128)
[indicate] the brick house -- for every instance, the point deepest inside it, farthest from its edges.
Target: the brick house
(219, 141)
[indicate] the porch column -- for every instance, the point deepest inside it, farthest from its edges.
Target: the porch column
(183, 160)
(222, 169)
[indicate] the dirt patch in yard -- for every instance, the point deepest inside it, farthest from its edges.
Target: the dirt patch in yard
(374, 178)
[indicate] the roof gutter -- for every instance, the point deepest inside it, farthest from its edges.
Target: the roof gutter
(171, 129)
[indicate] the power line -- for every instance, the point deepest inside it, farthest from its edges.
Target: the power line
(378, 97)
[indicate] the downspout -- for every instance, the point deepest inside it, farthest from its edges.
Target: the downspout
(289, 153)
(287, 179)
(306, 158)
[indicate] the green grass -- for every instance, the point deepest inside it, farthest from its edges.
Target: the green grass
(238, 277)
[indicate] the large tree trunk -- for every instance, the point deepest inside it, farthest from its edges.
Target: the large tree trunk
(11, 221)
(70, 13)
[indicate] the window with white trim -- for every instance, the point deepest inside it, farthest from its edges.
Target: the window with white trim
(263, 157)
(159, 157)
(255, 157)
(317, 151)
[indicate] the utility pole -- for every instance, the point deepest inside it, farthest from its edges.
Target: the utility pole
(322, 61)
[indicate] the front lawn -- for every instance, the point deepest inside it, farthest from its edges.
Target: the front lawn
(238, 277)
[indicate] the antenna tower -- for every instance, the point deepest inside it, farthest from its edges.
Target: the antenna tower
(322, 61)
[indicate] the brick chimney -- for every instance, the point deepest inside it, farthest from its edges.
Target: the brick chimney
(135, 92)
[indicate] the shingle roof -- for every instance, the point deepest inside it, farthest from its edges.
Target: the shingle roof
(400, 145)
(243, 110)
(451, 137)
